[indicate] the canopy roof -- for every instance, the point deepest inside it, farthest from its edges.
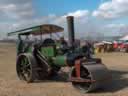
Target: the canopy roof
(38, 30)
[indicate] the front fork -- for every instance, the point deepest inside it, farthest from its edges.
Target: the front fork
(77, 67)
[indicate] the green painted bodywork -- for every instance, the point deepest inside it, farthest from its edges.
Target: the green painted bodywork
(48, 51)
(29, 50)
(60, 61)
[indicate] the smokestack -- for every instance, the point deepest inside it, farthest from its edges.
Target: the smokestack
(71, 34)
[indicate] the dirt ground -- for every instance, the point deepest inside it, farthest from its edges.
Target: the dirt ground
(10, 85)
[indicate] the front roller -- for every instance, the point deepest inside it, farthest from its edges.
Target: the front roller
(90, 77)
(25, 67)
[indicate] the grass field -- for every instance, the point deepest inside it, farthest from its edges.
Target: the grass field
(10, 85)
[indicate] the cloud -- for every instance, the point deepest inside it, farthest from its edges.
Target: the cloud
(79, 13)
(13, 13)
(14, 1)
(22, 16)
(16, 9)
(112, 9)
(114, 29)
(84, 25)
(115, 26)
(81, 20)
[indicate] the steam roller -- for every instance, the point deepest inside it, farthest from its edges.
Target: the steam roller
(45, 58)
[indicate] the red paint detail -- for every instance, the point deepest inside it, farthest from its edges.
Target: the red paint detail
(77, 67)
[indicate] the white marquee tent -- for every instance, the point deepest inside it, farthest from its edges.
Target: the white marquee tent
(124, 38)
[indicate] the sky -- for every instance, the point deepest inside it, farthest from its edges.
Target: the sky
(92, 17)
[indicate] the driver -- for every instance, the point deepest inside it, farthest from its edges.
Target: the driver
(63, 42)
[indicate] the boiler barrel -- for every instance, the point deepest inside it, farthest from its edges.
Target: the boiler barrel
(60, 61)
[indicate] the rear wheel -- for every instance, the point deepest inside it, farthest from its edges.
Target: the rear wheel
(25, 67)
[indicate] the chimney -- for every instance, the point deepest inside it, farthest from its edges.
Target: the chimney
(71, 34)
